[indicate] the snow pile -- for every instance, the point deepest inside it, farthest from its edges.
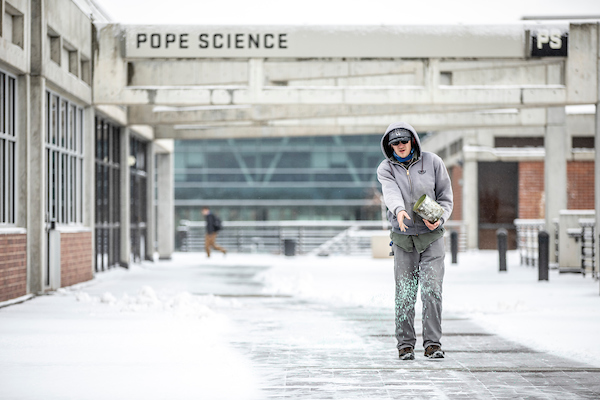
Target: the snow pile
(183, 304)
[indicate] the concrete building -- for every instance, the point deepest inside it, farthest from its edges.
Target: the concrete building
(90, 111)
(76, 180)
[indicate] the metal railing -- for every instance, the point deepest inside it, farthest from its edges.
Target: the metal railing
(527, 242)
(270, 236)
(310, 237)
(527, 239)
(588, 246)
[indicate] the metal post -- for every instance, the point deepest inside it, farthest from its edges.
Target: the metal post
(454, 246)
(544, 255)
(502, 237)
(583, 252)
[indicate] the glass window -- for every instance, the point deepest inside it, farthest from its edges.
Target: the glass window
(289, 170)
(8, 148)
(64, 161)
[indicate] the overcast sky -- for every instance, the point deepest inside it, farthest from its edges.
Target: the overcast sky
(338, 12)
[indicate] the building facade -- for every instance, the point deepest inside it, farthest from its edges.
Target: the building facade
(67, 209)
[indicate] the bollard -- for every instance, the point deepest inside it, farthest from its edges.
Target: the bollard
(543, 255)
(502, 236)
(454, 246)
(289, 247)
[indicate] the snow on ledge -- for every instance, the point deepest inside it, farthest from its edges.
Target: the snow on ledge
(581, 109)
(15, 301)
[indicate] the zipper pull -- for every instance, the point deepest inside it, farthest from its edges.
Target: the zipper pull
(407, 173)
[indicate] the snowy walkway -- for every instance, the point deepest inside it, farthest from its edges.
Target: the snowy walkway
(260, 327)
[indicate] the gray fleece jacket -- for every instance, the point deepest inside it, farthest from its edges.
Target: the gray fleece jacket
(403, 186)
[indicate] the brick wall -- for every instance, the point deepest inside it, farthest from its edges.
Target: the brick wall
(75, 258)
(456, 175)
(13, 266)
(531, 190)
(580, 185)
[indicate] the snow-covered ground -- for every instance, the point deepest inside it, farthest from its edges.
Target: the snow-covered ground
(137, 334)
(156, 332)
(560, 316)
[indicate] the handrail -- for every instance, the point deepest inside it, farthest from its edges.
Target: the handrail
(527, 239)
(311, 237)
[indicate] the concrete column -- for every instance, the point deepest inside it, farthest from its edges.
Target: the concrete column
(597, 184)
(89, 176)
(36, 183)
(470, 209)
(555, 168)
(165, 203)
(256, 76)
(125, 199)
(23, 128)
(150, 204)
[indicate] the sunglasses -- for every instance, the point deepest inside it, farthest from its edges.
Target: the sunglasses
(403, 141)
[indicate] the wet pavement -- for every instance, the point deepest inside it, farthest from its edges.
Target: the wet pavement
(310, 350)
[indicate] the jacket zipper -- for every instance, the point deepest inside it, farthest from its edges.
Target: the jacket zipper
(411, 196)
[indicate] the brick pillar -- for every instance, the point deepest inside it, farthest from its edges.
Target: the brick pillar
(456, 176)
(580, 185)
(532, 202)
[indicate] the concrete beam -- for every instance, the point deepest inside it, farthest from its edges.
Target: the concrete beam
(160, 115)
(431, 121)
(332, 72)
(451, 95)
(353, 125)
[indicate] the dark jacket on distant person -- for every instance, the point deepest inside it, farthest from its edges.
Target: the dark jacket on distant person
(211, 223)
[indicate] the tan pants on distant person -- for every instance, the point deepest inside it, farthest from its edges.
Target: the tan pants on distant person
(210, 242)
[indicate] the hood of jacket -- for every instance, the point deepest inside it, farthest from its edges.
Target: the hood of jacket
(387, 149)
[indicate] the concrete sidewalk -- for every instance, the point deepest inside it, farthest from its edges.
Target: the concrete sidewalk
(307, 350)
(296, 348)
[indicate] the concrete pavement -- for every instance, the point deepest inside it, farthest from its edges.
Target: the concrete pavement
(304, 349)
(307, 350)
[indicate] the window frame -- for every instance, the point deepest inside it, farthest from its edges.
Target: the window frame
(64, 160)
(9, 149)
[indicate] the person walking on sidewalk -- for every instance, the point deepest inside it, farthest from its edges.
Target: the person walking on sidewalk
(213, 226)
(406, 174)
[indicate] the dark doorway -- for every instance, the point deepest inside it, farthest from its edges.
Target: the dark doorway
(108, 203)
(498, 202)
(138, 197)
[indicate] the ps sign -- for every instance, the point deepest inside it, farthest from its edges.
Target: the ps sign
(549, 43)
